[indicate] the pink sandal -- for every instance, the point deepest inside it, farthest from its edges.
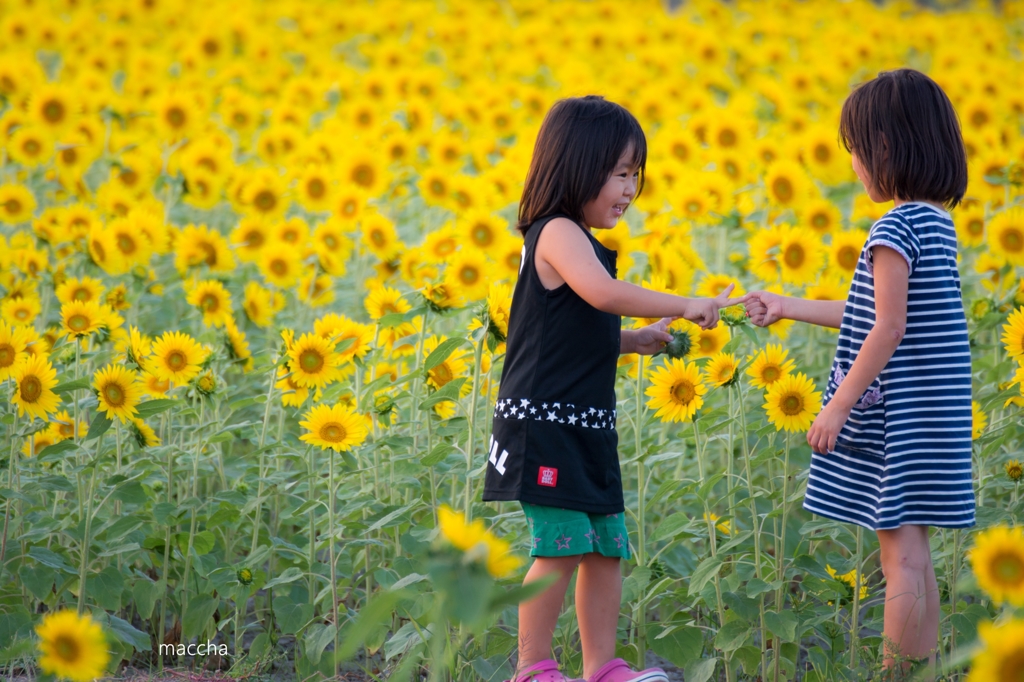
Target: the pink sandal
(617, 670)
(543, 671)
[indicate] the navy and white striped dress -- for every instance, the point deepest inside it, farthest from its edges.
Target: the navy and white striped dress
(904, 455)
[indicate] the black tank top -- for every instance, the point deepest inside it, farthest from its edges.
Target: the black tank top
(553, 441)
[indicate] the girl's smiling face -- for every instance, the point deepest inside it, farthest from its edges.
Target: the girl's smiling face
(616, 194)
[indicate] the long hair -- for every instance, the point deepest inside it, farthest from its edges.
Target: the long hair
(577, 148)
(906, 133)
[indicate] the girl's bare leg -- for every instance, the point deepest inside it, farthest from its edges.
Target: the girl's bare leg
(911, 594)
(538, 616)
(598, 597)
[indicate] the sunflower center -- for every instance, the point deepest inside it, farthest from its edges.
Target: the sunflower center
(442, 374)
(311, 361)
(1010, 667)
(348, 207)
(1012, 240)
(847, 258)
(976, 226)
(706, 344)
(101, 253)
(32, 147)
(290, 236)
(13, 206)
(69, 155)
(31, 388)
(693, 206)
(791, 405)
(254, 239)
(1008, 569)
(210, 251)
(78, 322)
(482, 235)
(820, 221)
(128, 177)
(684, 392)
(22, 313)
(770, 374)
(469, 275)
(66, 649)
(279, 267)
(175, 117)
(265, 200)
(783, 189)
(822, 153)
(7, 355)
(794, 255)
(53, 111)
(126, 244)
(176, 360)
(316, 188)
(65, 429)
(333, 432)
(437, 188)
(363, 175)
(113, 394)
(210, 303)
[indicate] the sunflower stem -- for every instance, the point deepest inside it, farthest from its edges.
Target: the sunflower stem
(84, 563)
(195, 517)
(855, 611)
(334, 562)
(780, 553)
(755, 528)
(167, 551)
(12, 462)
(641, 512)
(471, 439)
(258, 512)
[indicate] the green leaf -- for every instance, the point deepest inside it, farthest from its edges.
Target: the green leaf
(202, 542)
(700, 671)
(288, 575)
(733, 635)
(672, 526)
(680, 645)
(145, 592)
(58, 448)
(705, 571)
(73, 385)
(49, 558)
(129, 634)
(782, 624)
(449, 391)
(152, 407)
(199, 612)
(106, 587)
(318, 636)
(55, 483)
(131, 493)
(750, 657)
(98, 427)
(374, 614)
(437, 454)
(441, 353)
(291, 616)
(38, 580)
(757, 586)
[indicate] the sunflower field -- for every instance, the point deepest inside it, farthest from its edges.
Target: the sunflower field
(256, 262)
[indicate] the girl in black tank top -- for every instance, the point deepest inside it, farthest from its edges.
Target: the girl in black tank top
(553, 443)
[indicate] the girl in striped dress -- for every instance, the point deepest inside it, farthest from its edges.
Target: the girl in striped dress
(891, 448)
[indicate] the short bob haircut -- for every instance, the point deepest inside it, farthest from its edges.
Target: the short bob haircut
(904, 130)
(577, 148)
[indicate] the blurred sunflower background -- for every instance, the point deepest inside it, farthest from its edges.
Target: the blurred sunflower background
(256, 264)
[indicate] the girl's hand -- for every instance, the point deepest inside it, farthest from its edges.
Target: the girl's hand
(826, 427)
(764, 307)
(704, 311)
(652, 338)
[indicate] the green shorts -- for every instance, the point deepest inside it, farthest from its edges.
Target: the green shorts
(565, 532)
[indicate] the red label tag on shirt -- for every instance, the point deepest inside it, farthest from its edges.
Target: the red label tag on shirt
(547, 476)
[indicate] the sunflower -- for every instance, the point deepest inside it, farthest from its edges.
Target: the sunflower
(676, 390)
(313, 361)
(466, 273)
(1002, 657)
(820, 215)
(314, 189)
(349, 204)
(441, 296)
(21, 311)
(30, 146)
(14, 340)
(499, 307)
(292, 395)
(850, 579)
(829, 287)
(176, 114)
(143, 434)
(998, 563)
(258, 304)
(62, 427)
(72, 646)
(338, 329)
(155, 386)
(118, 391)
(281, 265)
(381, 301)
(499, 561)
(786, 183)
(435, 186)
(35, 378)
(713, 284)
(791, 403)
(800, 256)
(979, 420)
(1006, 236)
(1013, 333)
(198, 245)
(845, 250)
(212, 299)
(722, 369)
(711, 341)
(970, 225)
(17, 204)
(454, 366)
(39, 441)
(81, 318)
(333, 427)
(176, 357)
(365, 171)
(80, 289)
(763, 247)
(249, 237)
(332, 247)
(723, 526)
(379, 237)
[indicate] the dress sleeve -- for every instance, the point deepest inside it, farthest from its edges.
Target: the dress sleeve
(897, 235)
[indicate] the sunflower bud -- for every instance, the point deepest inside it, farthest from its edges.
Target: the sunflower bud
(206, 383)
(679, 346)
(244, 576)
(1013, 470)
(733, 315)
(980, 307)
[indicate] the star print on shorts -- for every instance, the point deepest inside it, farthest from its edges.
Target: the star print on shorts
(561, 413)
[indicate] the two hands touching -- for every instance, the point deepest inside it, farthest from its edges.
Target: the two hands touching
(701, 311)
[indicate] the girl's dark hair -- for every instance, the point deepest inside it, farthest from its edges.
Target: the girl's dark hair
(906, 133)
(577, 148)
